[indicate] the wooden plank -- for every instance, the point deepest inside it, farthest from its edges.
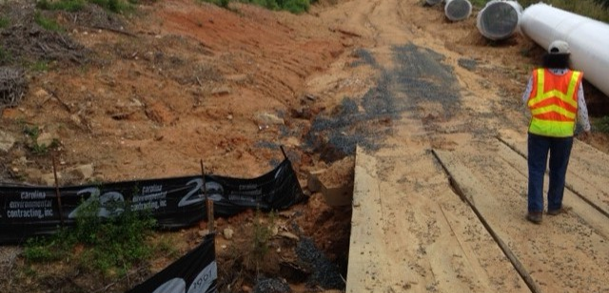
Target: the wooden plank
(498, 191)
(449, 162)
(410, 231)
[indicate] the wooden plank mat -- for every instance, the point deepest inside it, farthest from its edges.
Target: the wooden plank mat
(411, 233)
(564, 254)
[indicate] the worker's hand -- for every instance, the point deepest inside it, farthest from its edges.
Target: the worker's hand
(584, 135)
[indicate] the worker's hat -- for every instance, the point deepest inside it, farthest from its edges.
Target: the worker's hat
(559, 47)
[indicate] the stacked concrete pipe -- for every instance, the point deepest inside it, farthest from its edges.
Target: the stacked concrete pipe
(457, 10)
(588, 39)
(499, 19)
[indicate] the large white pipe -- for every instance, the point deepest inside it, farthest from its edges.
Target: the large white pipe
(456, 10)
(588, 39)
(499, 19)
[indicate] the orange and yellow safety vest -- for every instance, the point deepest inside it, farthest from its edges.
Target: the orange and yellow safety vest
(553, 102)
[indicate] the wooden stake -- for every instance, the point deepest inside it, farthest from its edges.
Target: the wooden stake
(208, 203)
(57, 194)
(285, 156)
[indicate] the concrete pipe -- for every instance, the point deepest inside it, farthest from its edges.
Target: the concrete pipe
(456, 10)
(432, 2)
(588, 39)
(499, 19)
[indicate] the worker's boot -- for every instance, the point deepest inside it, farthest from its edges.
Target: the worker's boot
(535, 217)
(556, 212)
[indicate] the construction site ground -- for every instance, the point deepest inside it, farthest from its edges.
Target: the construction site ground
(421, 116)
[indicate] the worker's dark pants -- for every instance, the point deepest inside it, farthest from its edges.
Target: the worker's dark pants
(559, 150)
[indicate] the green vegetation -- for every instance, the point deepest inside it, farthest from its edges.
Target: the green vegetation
(5, 56)
(262, 236)
(116, 6)
(166, 247)
(596, 9)
(4, 22)
(110, 246)
(479, 3)
(47, 23)
(36, 250)
(256, 254)
(66, 5)
(37, 148)
(602, 124)
(40, 66)
(293, 6)
(604, 3)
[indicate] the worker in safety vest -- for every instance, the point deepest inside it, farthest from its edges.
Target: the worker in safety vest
(555, 98)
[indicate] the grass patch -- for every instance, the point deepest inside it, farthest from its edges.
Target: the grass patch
(110, 246)
(258, 255)
(33, 145)
(602, 124)
(116, 6)
(39, 250)
(47, 23)
(4, 22)
(5, 56)
(65, 5)
(479, 3)
(166, 247)
(40, 66)
(293, 6)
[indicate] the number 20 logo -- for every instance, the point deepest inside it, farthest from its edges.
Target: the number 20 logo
(214, 192)
(104, 199)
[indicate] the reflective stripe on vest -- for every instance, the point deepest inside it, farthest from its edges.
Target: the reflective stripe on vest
(553, 103)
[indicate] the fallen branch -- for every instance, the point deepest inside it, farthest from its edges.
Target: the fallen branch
(114, 30)
(346, 32)
(60, 100)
